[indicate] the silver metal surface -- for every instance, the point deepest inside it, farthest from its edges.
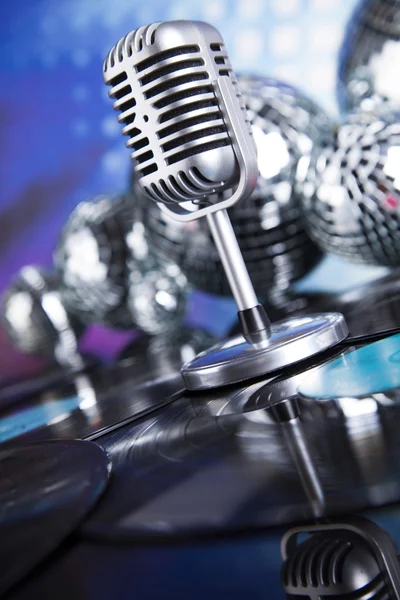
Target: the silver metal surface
(90, 258)
(353, 209)
(36, 320)
(207, 145)
(157, 291)
(182, 118)
(110, 275)
(296, 441)
(369, 66)
(291, 341)
(245, 153)
(289, 129)
(232, 260)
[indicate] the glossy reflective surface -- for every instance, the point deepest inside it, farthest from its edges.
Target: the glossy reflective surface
(157, 290)
(67, 405)
(226, 463)
(368, 309)
(81, 405)
(191, 469)
(288, 127)
(291, 341)
(368, 71)
(353, 208)
(35, 319)
(91, 258)
(45, 492)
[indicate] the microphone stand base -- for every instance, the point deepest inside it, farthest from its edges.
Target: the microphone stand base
(235, 360)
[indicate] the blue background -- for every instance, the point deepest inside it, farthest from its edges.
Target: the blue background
(59, 139)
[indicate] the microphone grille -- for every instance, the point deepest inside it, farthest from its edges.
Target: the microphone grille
(331, 565)
(162, 79)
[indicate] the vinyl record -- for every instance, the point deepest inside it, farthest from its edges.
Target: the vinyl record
(196, 468)
(82, 405)
(45, 492)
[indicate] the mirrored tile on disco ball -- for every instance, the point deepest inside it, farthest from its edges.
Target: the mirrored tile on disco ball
(157, 290)
(35, 318)
(45, 492)
(109, 273)
(368, 71)
(353, 210)
(288, 129)
(91, 261)
(371, 369)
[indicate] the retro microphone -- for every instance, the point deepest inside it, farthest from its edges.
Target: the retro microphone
(192, 143)
(350, 558)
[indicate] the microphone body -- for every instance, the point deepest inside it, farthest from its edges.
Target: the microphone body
(181, 108)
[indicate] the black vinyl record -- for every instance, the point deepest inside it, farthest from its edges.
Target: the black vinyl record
(229, 460)
(81, 405)
(45, 492)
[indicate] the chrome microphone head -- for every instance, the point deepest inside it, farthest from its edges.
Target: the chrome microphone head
(180, 106)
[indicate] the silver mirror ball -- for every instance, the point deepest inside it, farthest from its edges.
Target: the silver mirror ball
(35, 318)
(369, 59)
(109, 276)
(157, 291)
(353, 209)
(288, 128)
(91, 261)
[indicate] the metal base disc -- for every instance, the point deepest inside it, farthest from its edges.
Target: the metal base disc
(291, 340)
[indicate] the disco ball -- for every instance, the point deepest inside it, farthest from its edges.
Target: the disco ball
(369, 60)
(35, 318)
(354, 208)
(109, 275)
(158, 291)
(287, 127)
(91, 261)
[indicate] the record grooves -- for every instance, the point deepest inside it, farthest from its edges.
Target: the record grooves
(45, 492)
(197, 466)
